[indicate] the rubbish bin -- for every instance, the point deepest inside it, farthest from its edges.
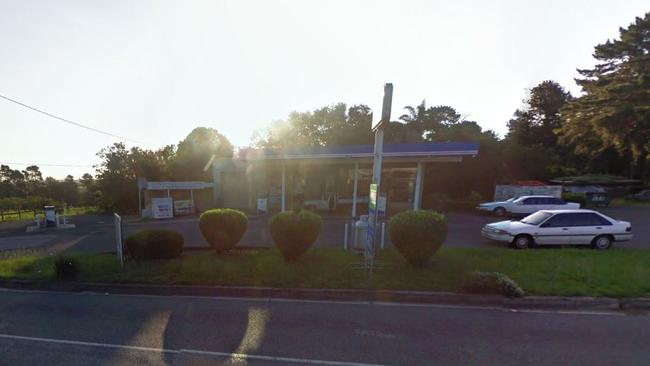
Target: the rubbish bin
(361, 233)
(50, 216)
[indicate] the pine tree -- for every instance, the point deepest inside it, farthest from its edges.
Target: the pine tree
(614, 112)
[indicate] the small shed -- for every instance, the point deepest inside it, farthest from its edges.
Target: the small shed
(168, 198)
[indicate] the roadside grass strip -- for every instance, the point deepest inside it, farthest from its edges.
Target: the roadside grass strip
(557, 272)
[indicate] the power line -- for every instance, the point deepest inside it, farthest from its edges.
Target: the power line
(70, 122)
(57, 165)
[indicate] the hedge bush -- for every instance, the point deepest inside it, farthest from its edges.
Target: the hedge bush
(154, 244)
(294, 232)
(66, 268)
(492, 283)
(223, 228)
(580, 198)
(417, 235)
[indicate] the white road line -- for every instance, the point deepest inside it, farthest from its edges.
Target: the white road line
(342, 302)
(88, 344)
(304, 361)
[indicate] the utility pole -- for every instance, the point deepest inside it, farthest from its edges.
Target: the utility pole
(378, 127)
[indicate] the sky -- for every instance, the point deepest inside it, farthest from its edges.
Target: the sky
(152, 71)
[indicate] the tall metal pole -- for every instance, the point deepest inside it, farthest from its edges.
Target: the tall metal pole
(376, 175)
(283, 200)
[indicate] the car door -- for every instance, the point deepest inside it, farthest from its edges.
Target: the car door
(555, 204)
(556, 230)
(526, 206)
(588, 225)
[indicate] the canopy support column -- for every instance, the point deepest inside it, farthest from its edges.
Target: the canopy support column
(354, 190)
(417, 200)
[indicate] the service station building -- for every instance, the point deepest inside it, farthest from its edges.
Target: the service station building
(332, 180)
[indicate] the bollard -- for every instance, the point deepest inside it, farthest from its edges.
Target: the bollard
(345, 240)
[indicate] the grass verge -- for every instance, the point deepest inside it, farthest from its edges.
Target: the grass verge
(563, 272)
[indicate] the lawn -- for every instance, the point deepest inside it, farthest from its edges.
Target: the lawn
(29, 214)
(623, 202)
(566, 272)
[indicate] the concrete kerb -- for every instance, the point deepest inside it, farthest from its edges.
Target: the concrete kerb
(417, 297)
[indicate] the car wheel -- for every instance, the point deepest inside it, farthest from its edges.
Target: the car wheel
(500, 211)
(522, 242)
(602, 242)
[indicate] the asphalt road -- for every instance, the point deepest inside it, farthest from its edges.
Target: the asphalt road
(94, 329)
(95, 233)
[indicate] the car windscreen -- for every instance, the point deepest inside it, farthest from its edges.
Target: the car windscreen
(536, 218)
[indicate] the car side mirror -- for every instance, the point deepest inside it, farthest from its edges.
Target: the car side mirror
(519, 203)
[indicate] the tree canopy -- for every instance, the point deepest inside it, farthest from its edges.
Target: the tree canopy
(197, 151)
(614, 110)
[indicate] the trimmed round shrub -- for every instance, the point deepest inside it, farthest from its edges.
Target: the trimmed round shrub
(418, 234)
(223, 228)
(66, 268)
(154, 244)
(492, 283)
(294, 232)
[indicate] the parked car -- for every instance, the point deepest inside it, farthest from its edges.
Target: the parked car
(643, 195)
(527, 205)
(560, 227)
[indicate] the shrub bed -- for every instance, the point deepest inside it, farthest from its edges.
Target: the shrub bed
(417, 235)
(223, 228)
(492, 283)
(66, 268)
(294, 232)
(154, 244)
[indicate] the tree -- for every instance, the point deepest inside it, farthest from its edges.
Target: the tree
(422, 123)
(536, 123)
(13, 181)
(88, 193)
(70, 190)
(334, 125)
(33, 177)
(614, 110)
(196, 152)
(531, 149)
(153, 165)
(116, 179)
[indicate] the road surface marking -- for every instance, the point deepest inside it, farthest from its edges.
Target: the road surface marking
(304, 361)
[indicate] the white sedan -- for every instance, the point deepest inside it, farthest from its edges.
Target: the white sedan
(560, 227)
(526, 205)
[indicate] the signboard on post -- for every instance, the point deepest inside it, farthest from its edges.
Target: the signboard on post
(162, 208)
(381, 205)
(369, 249)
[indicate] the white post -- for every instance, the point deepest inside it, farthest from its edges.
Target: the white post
(354, 190)
(168, 193)
(383, 234)
(284, 173)
(118, 238)
(417, 199)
